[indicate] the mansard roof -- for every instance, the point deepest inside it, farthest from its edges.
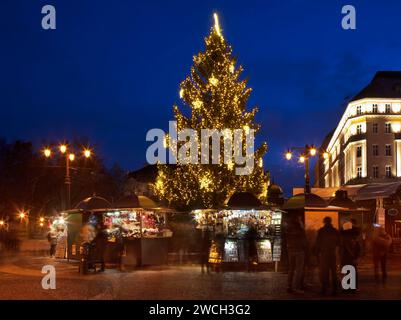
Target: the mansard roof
(385, 84)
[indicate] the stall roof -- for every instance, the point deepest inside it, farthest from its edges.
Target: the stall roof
(302, 200)
(93, 203)
(244, 200)
(373, 190)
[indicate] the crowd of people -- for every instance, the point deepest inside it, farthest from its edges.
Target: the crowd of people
(330, 244)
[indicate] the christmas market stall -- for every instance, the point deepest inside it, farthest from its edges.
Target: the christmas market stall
(245, 233)
(142, 226)
(134, 225)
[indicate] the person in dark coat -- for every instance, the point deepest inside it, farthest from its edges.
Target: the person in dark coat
(296, 249)
(327, 241)
(250, 237)
(350, 248)
(100, 242)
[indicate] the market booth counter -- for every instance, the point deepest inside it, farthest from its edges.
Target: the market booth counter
(135, 228)
(244, 234)
(143, 234)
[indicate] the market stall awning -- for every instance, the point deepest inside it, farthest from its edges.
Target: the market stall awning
(302, 200)
(133, 201)
(244, 200)
(373, 190)
(93, 203)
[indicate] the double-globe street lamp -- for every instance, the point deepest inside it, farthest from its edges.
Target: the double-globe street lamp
(69, 157)
(304, 155)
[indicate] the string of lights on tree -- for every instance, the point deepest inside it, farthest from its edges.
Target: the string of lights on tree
(217, 98)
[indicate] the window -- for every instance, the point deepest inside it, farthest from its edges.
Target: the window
(358, 151)
(375, 128)
(358, 110)
(359, 172)
(388, 108)
(375, 172)
(388, 150)
(359, 129)
(388, 127)
(374, 108)
(375, 149)
(388, 171)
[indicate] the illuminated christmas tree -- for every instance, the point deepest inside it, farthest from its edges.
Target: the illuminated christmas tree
(217, 99)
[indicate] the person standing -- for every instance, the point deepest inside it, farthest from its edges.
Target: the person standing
(52, 238)
(327, 242)
(100, 242)
(381, 243)
(350, 249)
(250, 242)
(296, 249)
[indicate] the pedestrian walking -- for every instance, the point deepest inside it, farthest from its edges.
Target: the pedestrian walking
(381, 242)
(297, 246)
(327, 243)
(350, 247)
(250, 242)
(100, 242)
(52, 238)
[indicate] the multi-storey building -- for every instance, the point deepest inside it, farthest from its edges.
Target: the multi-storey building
(365, 147)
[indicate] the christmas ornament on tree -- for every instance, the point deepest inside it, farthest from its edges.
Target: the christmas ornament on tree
(216, 98)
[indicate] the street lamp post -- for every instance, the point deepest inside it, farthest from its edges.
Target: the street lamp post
(305, 153)
(69, 157)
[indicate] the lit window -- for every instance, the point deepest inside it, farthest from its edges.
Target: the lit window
(359, 172)
(375, 172)
(388, 150)
(388, 108)
(375, 149)
(374, 108)
(359, 129)
(375, 128)
(388, 171)
(358, 110)
(388, 127)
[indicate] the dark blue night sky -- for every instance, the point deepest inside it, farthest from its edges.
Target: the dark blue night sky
(111, 70)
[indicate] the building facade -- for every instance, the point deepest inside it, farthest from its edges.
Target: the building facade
(365, 147)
